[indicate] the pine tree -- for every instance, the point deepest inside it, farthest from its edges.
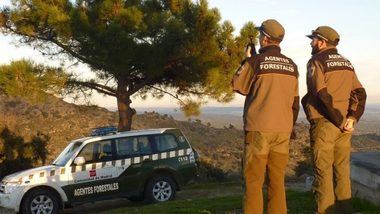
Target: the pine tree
(136, 47)
(33, 82)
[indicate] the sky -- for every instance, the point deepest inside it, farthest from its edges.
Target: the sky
(357, 22)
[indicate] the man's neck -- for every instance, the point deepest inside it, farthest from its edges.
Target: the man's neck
(267, 45)
(326, 48)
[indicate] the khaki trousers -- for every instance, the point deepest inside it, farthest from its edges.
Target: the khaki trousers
(331, 158)
(265, 152)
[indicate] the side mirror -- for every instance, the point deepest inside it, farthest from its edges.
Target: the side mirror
(79, 161)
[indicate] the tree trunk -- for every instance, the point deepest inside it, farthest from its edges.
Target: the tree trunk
(125, 112)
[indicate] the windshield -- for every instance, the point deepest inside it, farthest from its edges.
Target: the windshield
(67, 154)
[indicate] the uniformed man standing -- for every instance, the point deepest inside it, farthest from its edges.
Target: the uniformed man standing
(270, 82)
(333, 104)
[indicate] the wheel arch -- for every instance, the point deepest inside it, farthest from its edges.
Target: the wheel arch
(164, 171)
(46, 187)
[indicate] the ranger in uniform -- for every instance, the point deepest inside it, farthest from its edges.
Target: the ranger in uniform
(333, 104)
(269, 81)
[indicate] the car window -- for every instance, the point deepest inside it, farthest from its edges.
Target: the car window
(97, 152)
(132, 146)
(67, 153)
(165, 142)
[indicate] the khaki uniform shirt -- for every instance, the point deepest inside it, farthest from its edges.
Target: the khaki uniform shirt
(272, 101)
(334, 91)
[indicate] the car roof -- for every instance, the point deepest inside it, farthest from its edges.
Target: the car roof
(124, 134)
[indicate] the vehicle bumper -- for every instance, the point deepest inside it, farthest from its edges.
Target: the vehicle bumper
(10, 201)
(190, 175)
(197, 170)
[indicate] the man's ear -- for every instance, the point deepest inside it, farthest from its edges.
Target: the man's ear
(322, 43)
(319, 44)
(265, 40)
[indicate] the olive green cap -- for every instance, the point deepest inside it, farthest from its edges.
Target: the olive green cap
(272, 29)
(327, 33)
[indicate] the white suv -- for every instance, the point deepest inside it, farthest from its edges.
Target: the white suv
(139, 165)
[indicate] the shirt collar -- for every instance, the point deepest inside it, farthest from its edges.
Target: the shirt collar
(275, 48)
(331, 50)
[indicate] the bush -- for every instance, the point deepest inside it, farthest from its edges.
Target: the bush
(17, 155)
(210, 173)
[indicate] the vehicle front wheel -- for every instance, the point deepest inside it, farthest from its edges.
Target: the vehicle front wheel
(159, 189)
(40, 201)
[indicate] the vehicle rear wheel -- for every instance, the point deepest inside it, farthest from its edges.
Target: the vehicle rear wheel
(40, 201)
(159, 189)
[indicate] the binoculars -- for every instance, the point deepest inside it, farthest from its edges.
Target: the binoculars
(253, 49)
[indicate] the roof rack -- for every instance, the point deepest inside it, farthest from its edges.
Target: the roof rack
(104, 130)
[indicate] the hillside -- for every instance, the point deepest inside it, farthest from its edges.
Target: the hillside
(220, 148)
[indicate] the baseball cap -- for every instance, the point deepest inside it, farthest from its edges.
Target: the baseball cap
(327, 33)
(272, 29)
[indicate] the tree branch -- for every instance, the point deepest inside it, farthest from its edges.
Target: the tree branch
(95, 86)
(66, 48)
(140, 85)
(166, 92)
(193, 92)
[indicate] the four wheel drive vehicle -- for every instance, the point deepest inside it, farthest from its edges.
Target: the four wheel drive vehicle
(148, 165)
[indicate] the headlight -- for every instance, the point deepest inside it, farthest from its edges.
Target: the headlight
(12, 183)
(9, 186)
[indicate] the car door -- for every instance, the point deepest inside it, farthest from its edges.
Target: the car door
(177, 156)
(97, 178)
(136, 153)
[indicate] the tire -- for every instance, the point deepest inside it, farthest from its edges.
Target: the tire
(160, 188)
(40, 199)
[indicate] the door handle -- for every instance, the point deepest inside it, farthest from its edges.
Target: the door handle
(147, 160)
